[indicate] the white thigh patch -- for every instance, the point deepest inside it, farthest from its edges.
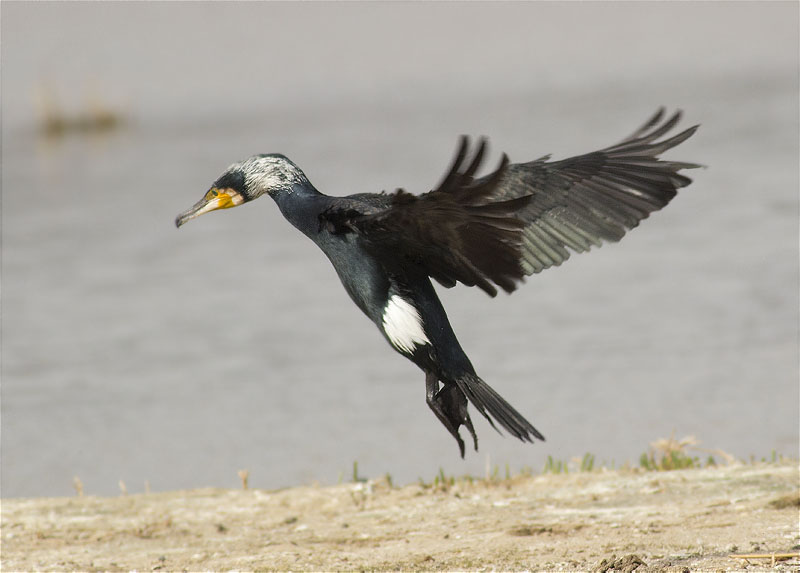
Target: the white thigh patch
(403, 325)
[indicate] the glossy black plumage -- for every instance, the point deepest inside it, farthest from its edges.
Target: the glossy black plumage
(488, 231)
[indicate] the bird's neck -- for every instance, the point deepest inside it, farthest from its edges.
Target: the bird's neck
(301, 204)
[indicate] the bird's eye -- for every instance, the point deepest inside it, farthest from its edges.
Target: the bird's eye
(214, 192)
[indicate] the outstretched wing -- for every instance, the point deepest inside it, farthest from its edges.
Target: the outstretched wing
(585, 200)
(521, 218)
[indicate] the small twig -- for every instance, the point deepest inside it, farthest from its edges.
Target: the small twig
(123, 489)
(772, 556)
(244, 475)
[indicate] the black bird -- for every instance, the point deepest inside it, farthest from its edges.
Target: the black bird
(488, 231)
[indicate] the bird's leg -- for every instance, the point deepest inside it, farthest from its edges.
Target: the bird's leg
(434, 403)
(450, 406)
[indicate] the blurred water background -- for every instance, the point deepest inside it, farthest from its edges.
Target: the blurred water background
(132, 351)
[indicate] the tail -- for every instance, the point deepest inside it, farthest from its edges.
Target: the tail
(492, 405)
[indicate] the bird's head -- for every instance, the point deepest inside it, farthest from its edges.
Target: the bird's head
(247, 180)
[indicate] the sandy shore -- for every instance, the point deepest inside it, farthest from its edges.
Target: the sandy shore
(674, 521)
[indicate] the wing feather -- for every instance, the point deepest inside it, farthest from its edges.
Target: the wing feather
(601, 195)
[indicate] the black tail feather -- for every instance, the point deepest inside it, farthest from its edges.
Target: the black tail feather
(492, 405)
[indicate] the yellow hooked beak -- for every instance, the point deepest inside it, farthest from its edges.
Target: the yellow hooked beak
(211, 201)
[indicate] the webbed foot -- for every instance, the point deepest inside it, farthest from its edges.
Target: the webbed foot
(450, 406)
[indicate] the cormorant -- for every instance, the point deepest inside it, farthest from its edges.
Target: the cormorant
(488, 231)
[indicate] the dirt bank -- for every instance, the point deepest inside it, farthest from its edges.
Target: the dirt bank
(671, 521)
